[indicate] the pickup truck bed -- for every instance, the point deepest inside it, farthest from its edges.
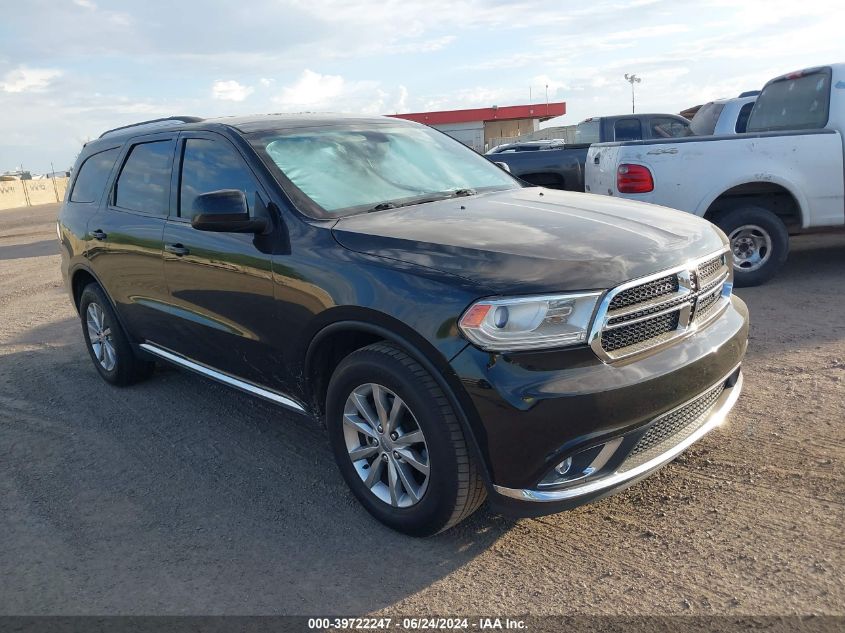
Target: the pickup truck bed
(782, 177)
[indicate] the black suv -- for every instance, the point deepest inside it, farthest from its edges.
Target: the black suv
(459, 334)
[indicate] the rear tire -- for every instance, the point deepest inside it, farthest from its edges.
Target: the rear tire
(451, 488)
(759, 242)
(106, 341)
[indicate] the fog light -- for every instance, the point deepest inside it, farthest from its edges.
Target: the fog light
(563, 467)
(581, 464)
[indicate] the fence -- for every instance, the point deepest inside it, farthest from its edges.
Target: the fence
(24, 193)
(566, 132)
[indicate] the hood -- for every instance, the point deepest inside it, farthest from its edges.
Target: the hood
(533, 239)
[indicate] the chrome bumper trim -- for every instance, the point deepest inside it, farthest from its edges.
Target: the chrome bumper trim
(717, 417)
(226, 379)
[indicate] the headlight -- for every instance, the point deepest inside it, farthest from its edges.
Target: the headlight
(524, 323)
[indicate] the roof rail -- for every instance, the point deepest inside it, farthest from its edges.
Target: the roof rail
(175, 119)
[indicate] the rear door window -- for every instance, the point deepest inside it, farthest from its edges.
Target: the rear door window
(144, 181)
(210, 165)
(93, 175)
(628, 130)
(795, 102)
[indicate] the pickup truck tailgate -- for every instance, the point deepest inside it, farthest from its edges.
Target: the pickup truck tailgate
(601, 165)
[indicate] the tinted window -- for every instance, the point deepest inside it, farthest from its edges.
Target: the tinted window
(797, 102)
(628, 130)
(667, 127)
(210, 166)
(704, 121)
(144, 182)
(742, 117)
(93, 175)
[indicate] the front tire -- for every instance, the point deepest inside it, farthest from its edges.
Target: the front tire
(759, 242)
(398, 443)
(106, 341)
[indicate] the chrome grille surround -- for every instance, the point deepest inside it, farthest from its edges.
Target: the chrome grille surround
(644, 315)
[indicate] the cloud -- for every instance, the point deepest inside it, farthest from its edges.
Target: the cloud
(25, 79)
(312, 90)
(85, 4)
(264, 81)
(230, 90)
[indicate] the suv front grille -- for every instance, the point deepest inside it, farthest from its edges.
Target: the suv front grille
(636, 333)
(662, 287)
(673, 428)
(661, 308)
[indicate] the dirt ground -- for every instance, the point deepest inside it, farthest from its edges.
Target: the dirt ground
(180, 496)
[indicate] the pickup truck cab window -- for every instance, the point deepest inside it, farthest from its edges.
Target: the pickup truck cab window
(352, 170)
(668, 128)
(627, 130)
(144, 181)
(588, 132)
(793, 102)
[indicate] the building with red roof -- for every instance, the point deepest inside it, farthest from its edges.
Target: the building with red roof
(477, 126)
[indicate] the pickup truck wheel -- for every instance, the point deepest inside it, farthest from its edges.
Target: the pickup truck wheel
(106, 341)
(759, 242)
(398, 442)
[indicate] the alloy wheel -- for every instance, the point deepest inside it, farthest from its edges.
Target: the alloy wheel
(100, 337)
(386, 445)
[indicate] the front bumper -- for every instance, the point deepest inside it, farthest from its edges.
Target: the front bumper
(618, 479)
(532, 410)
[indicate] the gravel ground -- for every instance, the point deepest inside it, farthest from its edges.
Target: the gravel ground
(179, 496)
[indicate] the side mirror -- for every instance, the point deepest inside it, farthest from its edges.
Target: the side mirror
(504, 166)
(225, 211)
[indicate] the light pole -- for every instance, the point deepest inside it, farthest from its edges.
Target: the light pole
(632, 79)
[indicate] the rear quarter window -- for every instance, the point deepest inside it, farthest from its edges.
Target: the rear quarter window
(93, 175)
(794, 102)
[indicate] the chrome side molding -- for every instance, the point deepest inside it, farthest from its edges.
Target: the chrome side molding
(226, 379)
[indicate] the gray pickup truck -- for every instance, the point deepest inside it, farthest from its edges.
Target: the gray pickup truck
(562, 167)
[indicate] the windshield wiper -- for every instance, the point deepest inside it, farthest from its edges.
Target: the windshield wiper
(457, 193)
(382, 206)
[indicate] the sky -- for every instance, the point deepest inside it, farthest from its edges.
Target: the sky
(70, 69)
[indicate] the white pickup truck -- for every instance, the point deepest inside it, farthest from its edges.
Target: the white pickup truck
(783, 176)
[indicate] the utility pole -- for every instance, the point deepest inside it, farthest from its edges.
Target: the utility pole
(632, 79)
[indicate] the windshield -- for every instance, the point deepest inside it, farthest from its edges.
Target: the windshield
(794, 102)
(346, 170)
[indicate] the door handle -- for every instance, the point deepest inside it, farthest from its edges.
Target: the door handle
(99, 234)
(176, 249)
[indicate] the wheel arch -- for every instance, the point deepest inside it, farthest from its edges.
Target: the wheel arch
(362, 327)
(80, 277)
(772, 193)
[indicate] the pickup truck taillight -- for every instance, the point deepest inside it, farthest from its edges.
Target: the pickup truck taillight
(631, 178)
